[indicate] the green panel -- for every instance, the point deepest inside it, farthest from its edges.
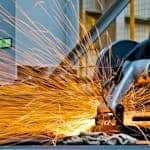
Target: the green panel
(5, 43)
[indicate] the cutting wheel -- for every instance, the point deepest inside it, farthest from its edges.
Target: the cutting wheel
(111, 58)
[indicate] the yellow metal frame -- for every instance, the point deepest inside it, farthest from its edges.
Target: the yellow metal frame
(132, 19)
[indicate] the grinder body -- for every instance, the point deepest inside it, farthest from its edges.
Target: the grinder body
(118, 68)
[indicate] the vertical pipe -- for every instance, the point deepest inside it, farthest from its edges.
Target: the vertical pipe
(81, 18)
(132, 19)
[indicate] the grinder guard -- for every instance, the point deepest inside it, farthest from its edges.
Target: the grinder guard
(128, 60)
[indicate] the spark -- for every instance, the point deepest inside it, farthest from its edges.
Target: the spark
(47, 107)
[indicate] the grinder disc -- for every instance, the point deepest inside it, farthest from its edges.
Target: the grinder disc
(111, 58)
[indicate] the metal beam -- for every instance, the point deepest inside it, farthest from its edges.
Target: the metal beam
(101, 25)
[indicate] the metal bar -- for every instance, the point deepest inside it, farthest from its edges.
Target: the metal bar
(132, 19)
(101, 25)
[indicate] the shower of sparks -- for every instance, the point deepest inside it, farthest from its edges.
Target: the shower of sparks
(34, 111)
(138, 99)
(43, 106)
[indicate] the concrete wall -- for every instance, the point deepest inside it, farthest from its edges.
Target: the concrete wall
(7, 55)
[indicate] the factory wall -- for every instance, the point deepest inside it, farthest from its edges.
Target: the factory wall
(7, 55)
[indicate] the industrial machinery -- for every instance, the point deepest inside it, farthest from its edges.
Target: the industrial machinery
(121, 66)
(118, 67)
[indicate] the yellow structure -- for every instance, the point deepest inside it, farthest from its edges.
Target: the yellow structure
(132, 19)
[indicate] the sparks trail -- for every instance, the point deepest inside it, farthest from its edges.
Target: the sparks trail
(40, 106)
(36, 110)
(37, 106)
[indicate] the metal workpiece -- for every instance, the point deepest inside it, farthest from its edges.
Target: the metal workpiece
(130, 71)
